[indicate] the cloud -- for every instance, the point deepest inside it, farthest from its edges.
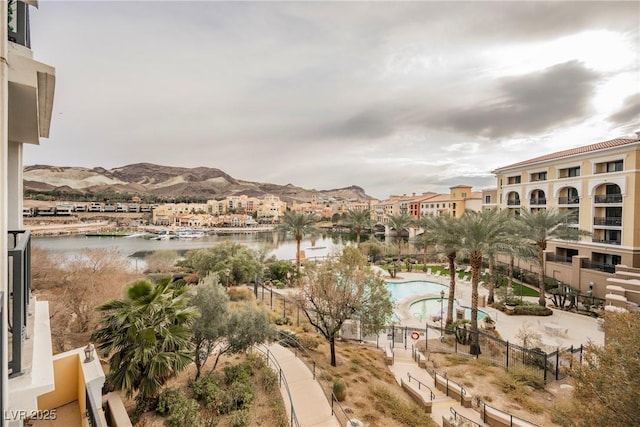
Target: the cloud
(528, 104)
(629, 114)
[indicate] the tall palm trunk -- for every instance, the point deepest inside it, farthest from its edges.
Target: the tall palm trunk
(511, 262)
(476, 264)
(358, 232)
(542, 300)
(298, 240)
(492, 279)
(451, 258)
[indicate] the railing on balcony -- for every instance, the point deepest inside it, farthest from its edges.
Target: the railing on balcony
(18, 25)
(559, 258)
(2, 338)
(614, 221)
(538, 201)
(568, 200)
(592, 265)
(608, 198)
(607, 242)
(19, 295)
(513, 202)
(92, 418)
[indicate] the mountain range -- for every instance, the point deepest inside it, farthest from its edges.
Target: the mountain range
(169, 182)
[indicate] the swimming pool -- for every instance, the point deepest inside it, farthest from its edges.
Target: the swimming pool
(426, 307)
(402, 290)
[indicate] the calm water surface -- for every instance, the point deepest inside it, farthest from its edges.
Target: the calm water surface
(274, 243)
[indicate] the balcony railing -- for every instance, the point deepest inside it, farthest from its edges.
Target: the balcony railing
(568, 200)
(538, 201)
(559, 258)
(592, 265)
(608, 198)
(607, 242)
(18, 25)
(609, 220)
(514, 202)
(19, 295)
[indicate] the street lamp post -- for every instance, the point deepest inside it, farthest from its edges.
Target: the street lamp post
(590, 292)
(441, 311)
(520, 286)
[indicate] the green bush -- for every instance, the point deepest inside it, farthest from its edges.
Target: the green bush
(239, 418)
(169, 399)
(238, 373)
(237, 396)
(187, 414)
(532, 310)
(340, 389)
(207, 390)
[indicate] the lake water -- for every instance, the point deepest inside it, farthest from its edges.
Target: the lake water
(275, 243)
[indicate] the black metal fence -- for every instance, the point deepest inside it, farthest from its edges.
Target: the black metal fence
(504, 354)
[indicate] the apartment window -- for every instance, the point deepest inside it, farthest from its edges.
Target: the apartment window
(487, 199)
(569, 172)
(464, 195)
(539, 176)
(514, 179)
(614, 166)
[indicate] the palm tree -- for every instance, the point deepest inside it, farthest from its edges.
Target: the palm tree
(146, 336)
(481, 233)
(299, 224)
(539, 228)
(446, 233)
(359, 220)
(400, 222)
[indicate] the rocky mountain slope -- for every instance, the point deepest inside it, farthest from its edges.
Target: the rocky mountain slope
(167, 181)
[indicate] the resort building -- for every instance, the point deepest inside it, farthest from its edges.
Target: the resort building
(598, 185)
(34, 383)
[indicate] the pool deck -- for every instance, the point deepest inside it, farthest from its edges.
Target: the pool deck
(562, 329)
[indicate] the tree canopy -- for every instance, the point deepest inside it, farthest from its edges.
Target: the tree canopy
(341, 289)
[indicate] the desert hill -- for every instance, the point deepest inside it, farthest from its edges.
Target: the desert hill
(142, 179)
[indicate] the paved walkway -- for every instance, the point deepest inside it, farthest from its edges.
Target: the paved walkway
(309, 401)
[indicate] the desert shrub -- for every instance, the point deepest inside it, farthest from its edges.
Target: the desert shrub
(340, 389)
(527, 377)
(237, 373)
(270, 379)
(240, 293)
(237, 396)
(187, 414)
(169, 399)
(308, 341)
(239, 418)
(408, 414)
(532, 310)
(207, 390)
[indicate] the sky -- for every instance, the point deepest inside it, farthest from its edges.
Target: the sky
(395, 97)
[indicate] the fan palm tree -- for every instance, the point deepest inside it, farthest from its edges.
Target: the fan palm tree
(146, 336)
(540, 227)
(447, 236)
(400, 222)
(359, 220)
(299, 224)
(481, 233)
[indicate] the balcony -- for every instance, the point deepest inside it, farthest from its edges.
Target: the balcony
(514, 202)
(608, 198)
(610, 221)
(568, 200)
(538, 201)
(607, 242)
(559, 258)
(19, 297)
(599, 266)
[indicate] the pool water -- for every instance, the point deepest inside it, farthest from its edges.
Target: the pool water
(402, 290)
(427, 307)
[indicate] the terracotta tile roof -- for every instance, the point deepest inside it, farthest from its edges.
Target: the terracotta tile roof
(575, 151)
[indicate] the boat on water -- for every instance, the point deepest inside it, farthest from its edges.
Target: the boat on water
(188, 233)
(164, 235)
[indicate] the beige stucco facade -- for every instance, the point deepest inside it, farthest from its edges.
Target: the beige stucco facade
(598, 185)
